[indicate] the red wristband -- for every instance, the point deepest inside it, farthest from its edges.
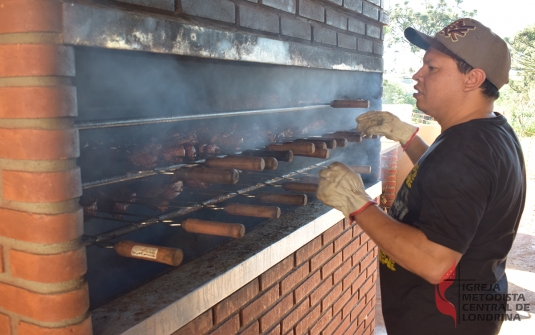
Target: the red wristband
(360, 210)
(410, 139)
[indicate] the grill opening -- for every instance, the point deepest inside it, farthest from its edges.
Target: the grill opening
(131, 100)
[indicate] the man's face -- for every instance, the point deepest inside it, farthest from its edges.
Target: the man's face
(438, 85)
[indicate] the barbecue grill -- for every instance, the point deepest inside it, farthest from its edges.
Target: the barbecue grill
(198, 133)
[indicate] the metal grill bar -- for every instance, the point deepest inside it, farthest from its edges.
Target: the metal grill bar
(111, 234)
(136, 122)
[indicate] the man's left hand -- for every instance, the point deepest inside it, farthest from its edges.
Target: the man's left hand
(342, 188)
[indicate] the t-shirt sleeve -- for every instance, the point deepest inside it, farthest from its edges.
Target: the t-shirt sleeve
(457, 188)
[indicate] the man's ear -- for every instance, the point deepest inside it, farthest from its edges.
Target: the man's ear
(474, 79)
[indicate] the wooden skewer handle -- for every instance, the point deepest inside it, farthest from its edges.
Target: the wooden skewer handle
(330, 143)
(270, 212)
(319, 153)
(363, 169)
(289, 199)
(208, 175)
(284, 156)
(148, 252)
(300, 187)
(295, 147)
(236, 162)
(235, 230)
(317, 144)
(271, 163)
(350, 104)
(351, 137)
(340, 140)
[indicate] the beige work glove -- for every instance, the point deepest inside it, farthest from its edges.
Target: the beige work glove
(386, 124)
(342, 188)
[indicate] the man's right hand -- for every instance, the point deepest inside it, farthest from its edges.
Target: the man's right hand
(386, 124)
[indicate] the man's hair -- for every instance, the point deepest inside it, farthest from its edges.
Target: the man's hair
(487, 88)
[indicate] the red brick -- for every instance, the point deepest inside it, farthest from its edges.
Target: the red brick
(342, 301)
(358, 283)
(41, 187)
(331, 265)
(346, 310)
(390, 196)
(260, 305)
(48, 268)
(296, 315)
(390, 178)
(1, 260)
(274, 331)
(371, 245)
(275, 273)
(331, 297)
(335, 322)
(82, 328)
(234, 302)
(351, 277)
(200, 325)
(371, 269)
(364, 238)
(302, 327)
(357, 310)
(351, 248)
(357, 231)
(391, 184)
(343, 240)
(37, 102)
(365, 287)
(5, 324)
(276, 312)
(28, 60)
(333, 232)
(253, 329)
(308, 286)
(41, 228)
(308, 250)
(388, 172)
(322, 322)
(370, 294)
(342, 330)
(366, 261)
(288, 283)
(364, 314)
(354, 329)
(44, 307)
(359, 255)
(320, 291)
(320, 258)
(19, 16)
(231, 326)
(342, 271)
(39, 144)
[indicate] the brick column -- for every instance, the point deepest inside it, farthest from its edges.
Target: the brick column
(389, 168)
(42, 259)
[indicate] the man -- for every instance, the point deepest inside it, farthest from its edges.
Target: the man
(445, 241)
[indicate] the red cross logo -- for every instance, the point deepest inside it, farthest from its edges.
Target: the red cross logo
(457, 28)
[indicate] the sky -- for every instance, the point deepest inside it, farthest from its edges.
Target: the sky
(504, 18)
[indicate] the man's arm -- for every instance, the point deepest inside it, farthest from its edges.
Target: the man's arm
(416, 148)
(407, 245)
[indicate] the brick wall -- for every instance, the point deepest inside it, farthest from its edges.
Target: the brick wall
(389, 170)
(325, 287)
(42, 260)
(350, 25)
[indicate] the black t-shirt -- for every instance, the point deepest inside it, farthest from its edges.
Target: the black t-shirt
(467, 193)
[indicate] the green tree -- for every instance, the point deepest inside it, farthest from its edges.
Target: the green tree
(436, 15)
(518, 99)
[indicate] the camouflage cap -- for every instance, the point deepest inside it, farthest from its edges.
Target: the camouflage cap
(472, 42)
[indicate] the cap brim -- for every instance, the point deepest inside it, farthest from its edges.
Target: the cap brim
(422, 41)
